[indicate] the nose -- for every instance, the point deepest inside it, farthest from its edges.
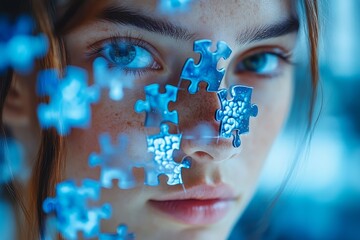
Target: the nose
(199, 127)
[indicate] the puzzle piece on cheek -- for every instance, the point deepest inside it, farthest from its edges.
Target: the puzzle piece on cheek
(163, 146)
(113, 79)
(70, 99)
(72, 210)
(235, 114)
(206, 70)
(156, 105)
(171, 6)
(18, 47)
(114, 161)
(122, 234)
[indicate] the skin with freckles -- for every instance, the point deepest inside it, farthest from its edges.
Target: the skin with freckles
(255, 62)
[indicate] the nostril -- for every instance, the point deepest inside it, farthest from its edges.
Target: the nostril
(202, 155)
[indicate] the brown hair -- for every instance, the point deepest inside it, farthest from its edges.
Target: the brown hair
(49, 164)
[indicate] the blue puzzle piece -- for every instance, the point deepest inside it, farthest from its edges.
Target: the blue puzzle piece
(235, 114)
(113, 79)
(12, 165)
(70, 99)
(156, 105)
(122, 234)
(163, 146)
(206, 70)
(18, 47)
(8, 223)
(72, 209)
(114, 161)
(170, 6)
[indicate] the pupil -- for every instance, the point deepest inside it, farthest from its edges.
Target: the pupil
(256, 62)
(122, 53)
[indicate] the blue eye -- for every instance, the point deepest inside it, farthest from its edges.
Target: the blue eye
(261, 63)
(127, 55)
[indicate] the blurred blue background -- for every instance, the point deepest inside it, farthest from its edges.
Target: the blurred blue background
(321, 199)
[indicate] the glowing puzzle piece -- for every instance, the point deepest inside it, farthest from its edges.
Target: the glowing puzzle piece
(156, 105)
(170, 6)
(70, 99)
(18, 46)
(206, 70)
(72, 209)
(163, 146)
(114, 162)
(235, 114)
(12, 164)
(122, 234)
(113, 79)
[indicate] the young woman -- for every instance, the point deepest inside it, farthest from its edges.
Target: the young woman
(151, 46)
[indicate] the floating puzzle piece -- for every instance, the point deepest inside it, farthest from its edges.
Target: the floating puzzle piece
(18, 46)
(163, 146)
(113, 79)
(72, 209)
(12, 165)
(114, 161)
(122, 234)
(8, 222)
(206, 70)
(70, 99)
(170, 6)
(235, 114)
(156, 105)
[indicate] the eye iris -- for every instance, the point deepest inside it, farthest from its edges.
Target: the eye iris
(122, 54)
(255, 63)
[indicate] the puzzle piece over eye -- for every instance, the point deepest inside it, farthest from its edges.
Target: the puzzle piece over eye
(113, 79)
(122, 234)
(114, 161)
(170, 6)
(235, 114)
(72, 209)
(18, 46)
(70, 99)
(156, 105)
(163, 146)
(206, 70)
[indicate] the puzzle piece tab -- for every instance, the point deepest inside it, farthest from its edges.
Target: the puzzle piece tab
(113, 79)
(122, 234)
(114, 161)
(235, 114)
(206, 70)
(72, 209)
(156, 105)
(70, 99)
(18, 46)
(163, 146)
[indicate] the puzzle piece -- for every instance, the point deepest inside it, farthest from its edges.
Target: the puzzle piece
(70, 99)
(170, 6)
(122, 234)
(114, 161)
(206, 70)
(163, 146)
(8, 223)
(156, 105)
(18, 47)
(113, 79)
(235, 114)
(12, 165)
(72, 209)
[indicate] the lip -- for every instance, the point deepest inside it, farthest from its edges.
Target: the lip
(200, 205)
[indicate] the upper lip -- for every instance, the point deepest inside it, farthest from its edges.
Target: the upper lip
(200, 192)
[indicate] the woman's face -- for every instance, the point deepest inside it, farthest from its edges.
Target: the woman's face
(222, 178)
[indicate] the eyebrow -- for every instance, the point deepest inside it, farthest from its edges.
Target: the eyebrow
(125, 16)
(284, 27)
